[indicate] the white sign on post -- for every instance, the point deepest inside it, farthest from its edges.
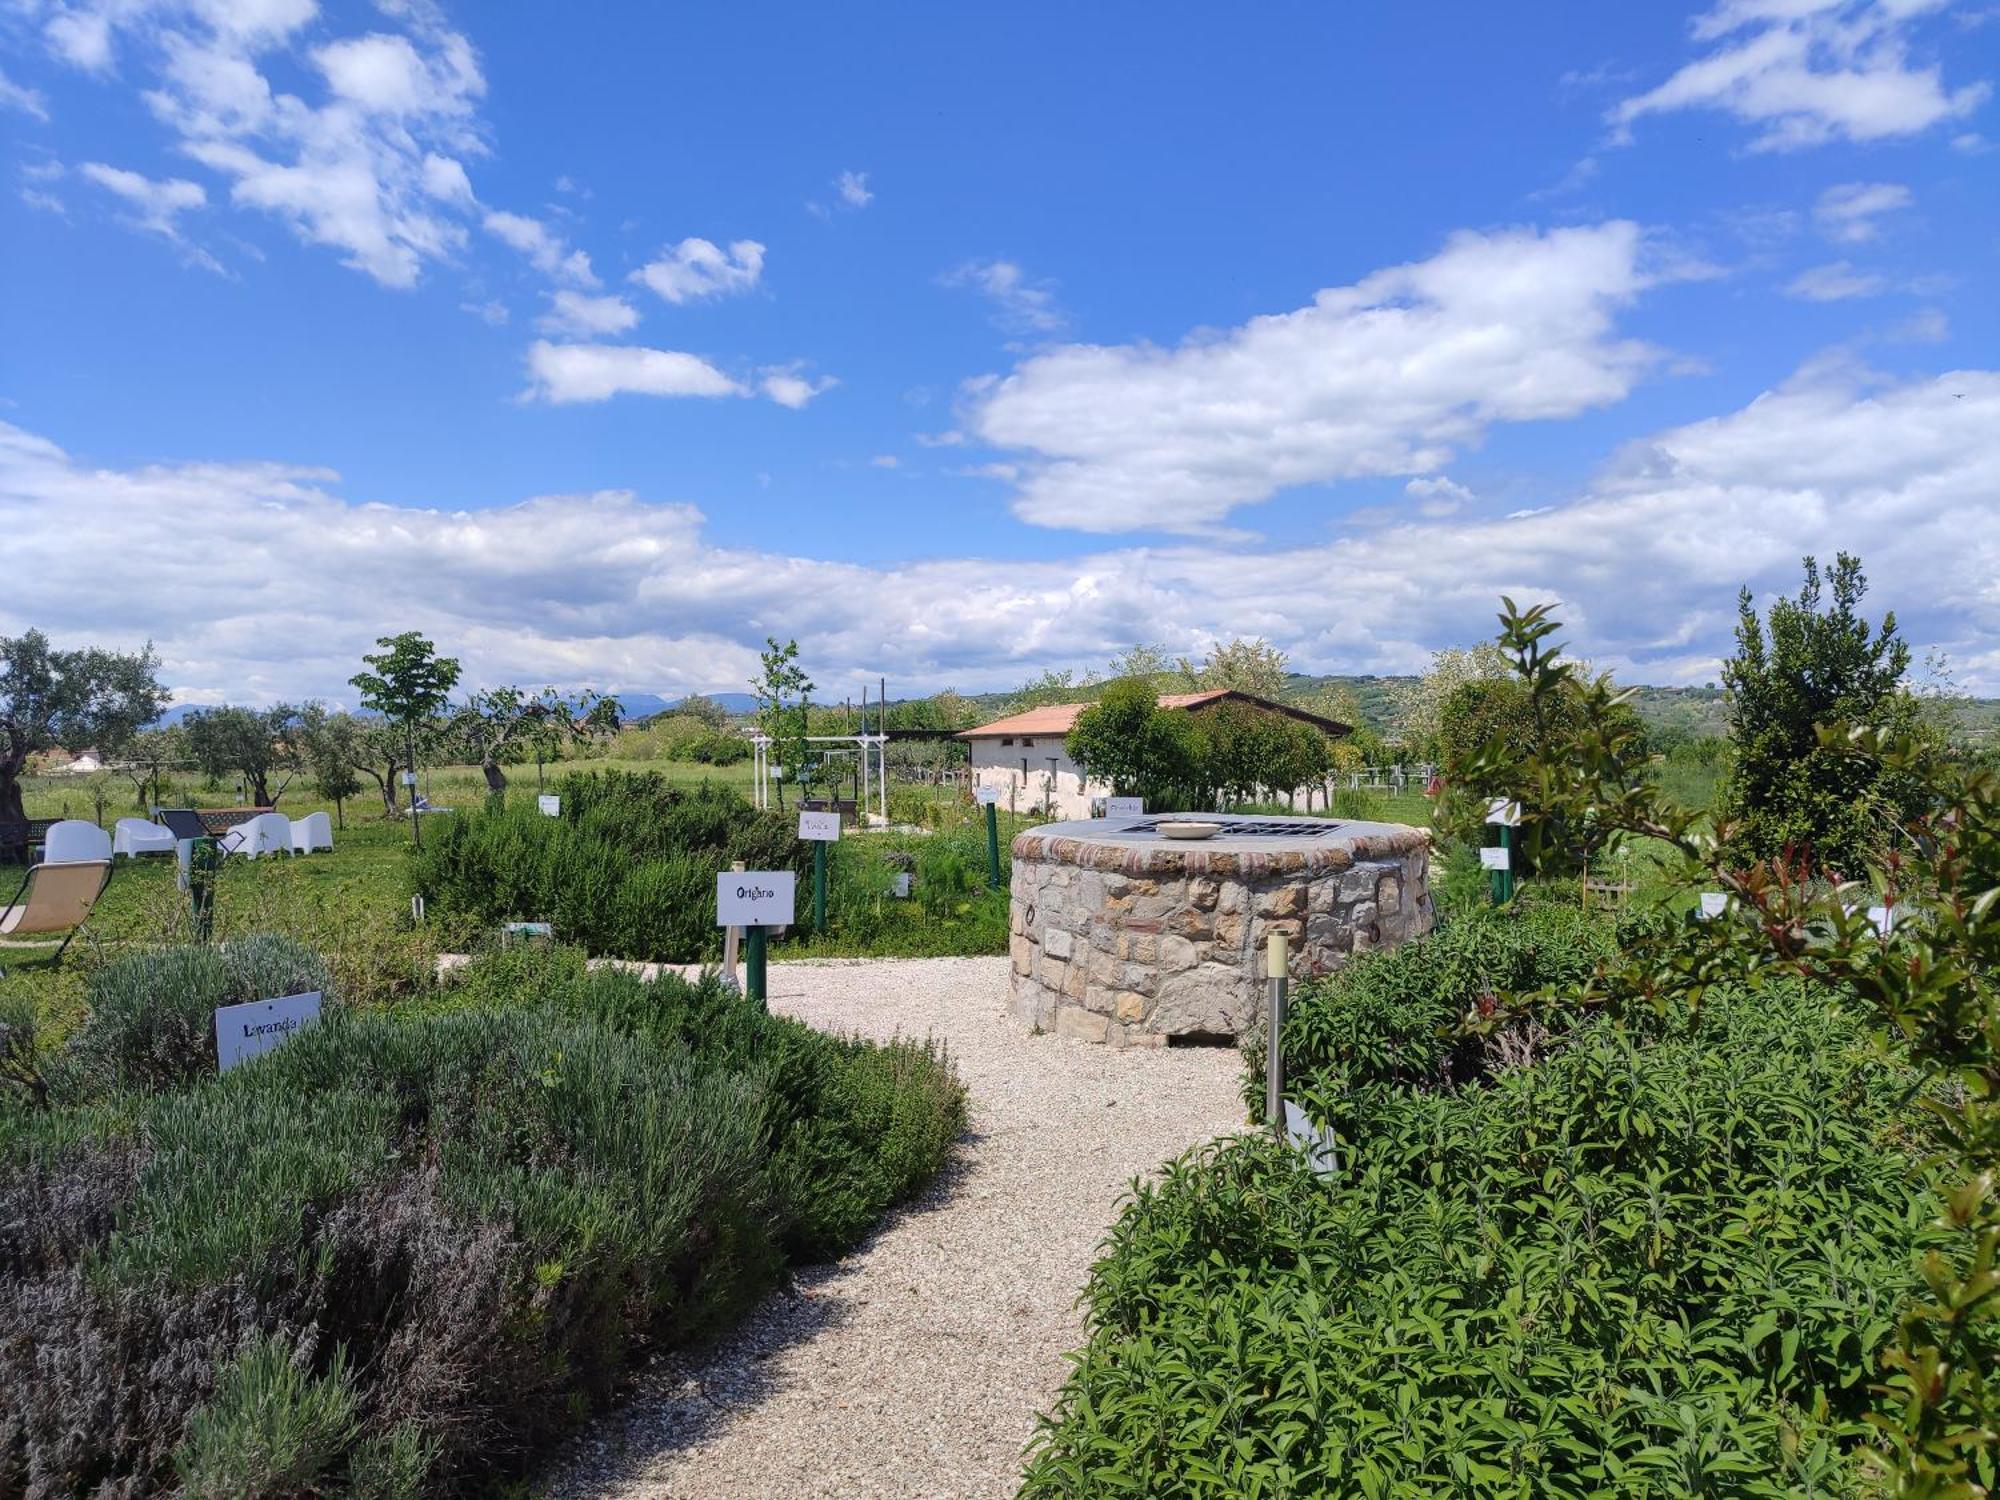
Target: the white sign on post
(1124, 807)
(1493, 858)
(754, 898)
(550, 805)
(820, 827)
(244, 1031)
(409, 778)
(1500, 810)
(1884, 918)
(986, 796)
(1713, 904)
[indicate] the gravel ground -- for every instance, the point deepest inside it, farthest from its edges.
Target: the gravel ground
(916, 1366)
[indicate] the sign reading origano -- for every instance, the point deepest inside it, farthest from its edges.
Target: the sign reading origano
(754, 898)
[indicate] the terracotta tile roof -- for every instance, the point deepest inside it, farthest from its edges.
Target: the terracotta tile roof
(1060, 718)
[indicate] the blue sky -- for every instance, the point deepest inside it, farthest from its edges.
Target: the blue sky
(601, 342)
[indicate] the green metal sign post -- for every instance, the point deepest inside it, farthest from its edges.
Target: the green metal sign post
(753, 964)
(204, 859)
(819, 887)
(992, 846)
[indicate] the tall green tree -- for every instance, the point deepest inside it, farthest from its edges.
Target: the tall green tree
(1256, 667)
(1815, 662)
(1247, 751)
(332, 747)
(784, 709)
(1142, 750)
(262, 745)
(68, 698)
(410, 684)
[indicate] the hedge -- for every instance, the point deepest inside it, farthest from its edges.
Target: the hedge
(403, 1252)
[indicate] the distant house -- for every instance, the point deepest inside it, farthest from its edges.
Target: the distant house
(1023, 754)
(83, 765)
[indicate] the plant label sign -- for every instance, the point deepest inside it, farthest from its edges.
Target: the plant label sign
(986, 796)
(1495, 859)
(550, 805)
(526, 930)
(819, 827)
(1713, 904)
(244, 1031)
(409, 778)
(1500, 810)
(754, 898)
(1884, 918)
(1124, 807)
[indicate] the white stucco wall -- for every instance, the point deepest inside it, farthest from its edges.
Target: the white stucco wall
(1001, 765)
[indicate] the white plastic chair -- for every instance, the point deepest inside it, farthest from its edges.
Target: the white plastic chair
(133, 836)
(313, 831)
(267, 833)
(74, 841)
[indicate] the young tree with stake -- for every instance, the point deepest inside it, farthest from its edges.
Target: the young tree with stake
(410, 684)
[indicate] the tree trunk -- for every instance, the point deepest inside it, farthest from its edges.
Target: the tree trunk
(496, 779)
(260, 791)
(13, 809)
(340, 814)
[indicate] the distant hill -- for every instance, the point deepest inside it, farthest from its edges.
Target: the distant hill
(179, 714)
(647, 705)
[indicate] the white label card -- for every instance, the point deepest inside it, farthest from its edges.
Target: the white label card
(1124, 807)
(244, 1031)
(1884, 918)
(551, 806)
(1713, 904)
(754, 898)
(820, 827)
(409, 778)
(1500, 810)
(986, 796)
(1495, 859)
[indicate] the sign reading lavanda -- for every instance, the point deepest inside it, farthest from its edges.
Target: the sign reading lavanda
(754, 898)
(244, 1031)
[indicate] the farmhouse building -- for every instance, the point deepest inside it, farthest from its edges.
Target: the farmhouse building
(1023, 755)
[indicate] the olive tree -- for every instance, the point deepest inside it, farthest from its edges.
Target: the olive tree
(51, 698)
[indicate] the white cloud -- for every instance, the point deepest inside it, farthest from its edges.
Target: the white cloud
(885, 461)
(19, 96)
(853, 189)
(371, 170)
(696, 269)
(786, 386)
(492, 312)
(546, 250)
(578, 312)
(155, 206)
(1849, 212)
(1805, 72)
(1021, 303)
(565, 373)
(1439, 496)
(607, 590)
(1836, 282)
(1390, 376)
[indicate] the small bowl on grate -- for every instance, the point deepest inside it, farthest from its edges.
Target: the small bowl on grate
(1187, 829)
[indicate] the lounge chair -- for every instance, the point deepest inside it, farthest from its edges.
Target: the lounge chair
(313, 831)
(135, 836)
(57, 895)
(267, 833)
(73, 841)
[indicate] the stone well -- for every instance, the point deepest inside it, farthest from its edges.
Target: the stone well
(1122, 935)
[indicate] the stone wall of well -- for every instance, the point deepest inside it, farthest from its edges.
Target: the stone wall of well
(1134, 945)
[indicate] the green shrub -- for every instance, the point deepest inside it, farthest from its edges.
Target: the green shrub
(1391, 1016)
(628, 869)
(151, 1018)
(1644, 1265)
(407, 1249)
(271, 1430)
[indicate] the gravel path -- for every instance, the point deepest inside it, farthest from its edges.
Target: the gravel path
(916, 1366)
